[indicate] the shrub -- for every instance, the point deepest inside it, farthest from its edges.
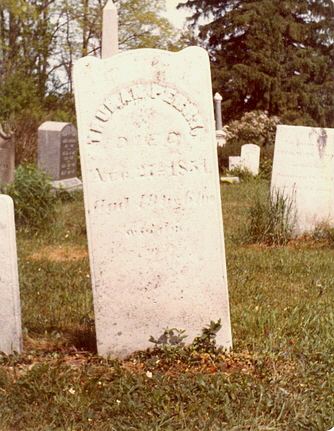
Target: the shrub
(34, 201)
(254, 127)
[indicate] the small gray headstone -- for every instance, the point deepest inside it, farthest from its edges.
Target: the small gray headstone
(10, 311)
(57, 153)
(152, 196)
(7, 157)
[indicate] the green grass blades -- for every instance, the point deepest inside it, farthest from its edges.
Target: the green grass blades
(279, 376)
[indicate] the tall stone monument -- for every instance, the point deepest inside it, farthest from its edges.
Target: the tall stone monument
(303, 171)
(7, 157)
(10, 311)
(152, 197)
(57, 154)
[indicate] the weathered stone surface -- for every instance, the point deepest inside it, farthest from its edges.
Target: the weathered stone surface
(57, 153)
(10, 311)
(250, 158)
(7, 157)
(152, 197)
(303, 171)
(234, 162)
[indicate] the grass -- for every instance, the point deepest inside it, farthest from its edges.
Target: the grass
(280, 375)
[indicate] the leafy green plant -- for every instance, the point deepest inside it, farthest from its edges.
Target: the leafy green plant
(244, 174)
(172, 337)
(207, 341)
(255, 127)
(34, 201)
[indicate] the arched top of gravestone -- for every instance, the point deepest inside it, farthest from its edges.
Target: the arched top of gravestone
(55, 126)
(190, 51)
(145, 65)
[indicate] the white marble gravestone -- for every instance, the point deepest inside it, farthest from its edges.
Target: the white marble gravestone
(250, 158)
(10, 311)
(152, 197)
(234, 162)
(303, 170)
(57, 153)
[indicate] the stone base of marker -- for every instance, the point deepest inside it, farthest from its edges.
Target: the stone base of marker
(221, 139)
(69, 184)
(10, 311)
(57, 154)
(230, 180)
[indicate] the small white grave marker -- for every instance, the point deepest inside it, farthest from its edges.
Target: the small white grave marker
(10, 311)
(152, 197)
(234, 162)
(303, 170)
(250, 158)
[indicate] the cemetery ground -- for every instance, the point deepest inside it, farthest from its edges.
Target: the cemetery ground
(279, 375)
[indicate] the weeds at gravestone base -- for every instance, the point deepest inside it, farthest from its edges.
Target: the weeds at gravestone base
(271, 220)
(34, 202)
(279, 377)
(170, 345)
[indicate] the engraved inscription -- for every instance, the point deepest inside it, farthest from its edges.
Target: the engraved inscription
(140, 92)
(154, 229)
(168, 169)
(68, 154)
(151, 140)
(144, 201)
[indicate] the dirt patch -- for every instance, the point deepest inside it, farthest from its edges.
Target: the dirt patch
(60, 253)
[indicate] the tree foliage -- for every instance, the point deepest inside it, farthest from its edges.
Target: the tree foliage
(271, 55)
(41, 39)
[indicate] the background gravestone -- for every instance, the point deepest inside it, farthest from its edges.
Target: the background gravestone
(234, 162)
(152, 197)
(303, 171)
(250, 158)
(57, 153)
(7, 157)
(10, 311)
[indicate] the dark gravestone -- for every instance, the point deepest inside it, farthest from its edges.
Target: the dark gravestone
(7, 157)
(57, 153)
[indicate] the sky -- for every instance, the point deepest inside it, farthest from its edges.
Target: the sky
(177, 17)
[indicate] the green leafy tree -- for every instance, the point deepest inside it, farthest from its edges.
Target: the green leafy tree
(39, 42)
(271, 55)
(140, 25)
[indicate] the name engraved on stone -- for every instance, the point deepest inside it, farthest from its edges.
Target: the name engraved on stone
(142, 92)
